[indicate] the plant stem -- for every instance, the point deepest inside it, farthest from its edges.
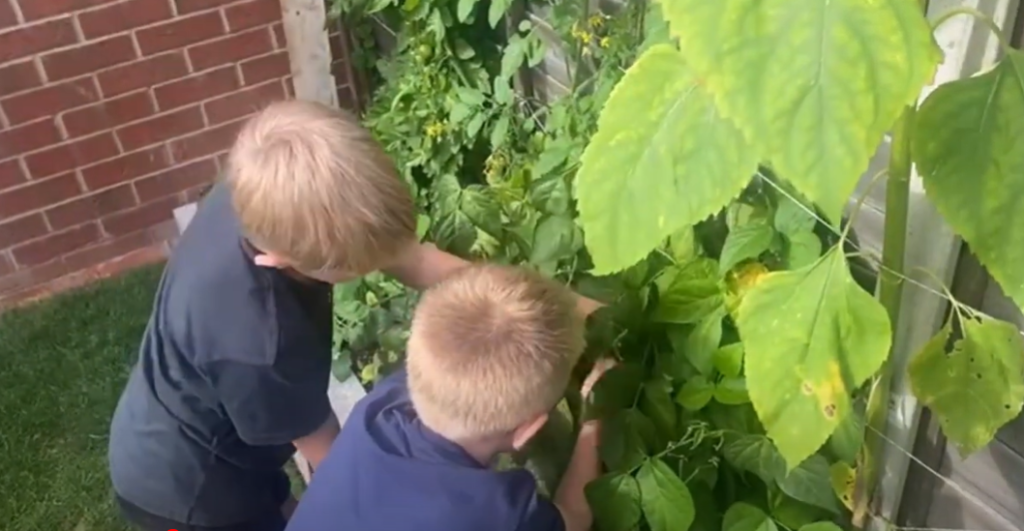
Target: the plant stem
(890, 292)
(979, 16)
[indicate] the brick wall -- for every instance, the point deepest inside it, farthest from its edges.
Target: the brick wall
(113, 113)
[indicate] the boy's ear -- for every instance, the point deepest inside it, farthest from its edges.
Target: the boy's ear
(270, 260)
(527, 430)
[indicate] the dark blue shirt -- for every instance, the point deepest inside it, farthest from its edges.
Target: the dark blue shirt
(234, 365)
(388, 472)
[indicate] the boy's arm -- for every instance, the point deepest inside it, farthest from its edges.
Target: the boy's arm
(584, 467)
(424, 265)
(314, 447)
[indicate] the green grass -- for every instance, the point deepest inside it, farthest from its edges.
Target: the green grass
(63, 363)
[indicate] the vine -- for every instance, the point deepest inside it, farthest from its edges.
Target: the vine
(693, 174)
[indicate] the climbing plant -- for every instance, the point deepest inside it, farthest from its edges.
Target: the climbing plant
(693, 175)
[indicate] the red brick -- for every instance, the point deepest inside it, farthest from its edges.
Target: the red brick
(123, 16)
(289, 87)
(108, 250)
(30, 40)
(191, 6)
(18, 77)
(41, 194)
(253, 13)
(141, 217)
(29, 137)
(347, 98)
(231, 49)
(243, 103)
(91, 207)
(109, 114)
(125, 168)
(11, 174)
(179, 33)
(28, 282)
(160, 128)
(71, 155)
(56, 244)
(21, 230)
(206, 143)
(265, 68)
(176, 180)
(196, 88)
(6, 265)
(142, 74)
(49, 100)
(88, 58)
(7, 17)
(193, 195)
(280, 40)
(35, 9)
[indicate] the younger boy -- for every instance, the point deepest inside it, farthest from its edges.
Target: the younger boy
(234, 365)
(489, 356)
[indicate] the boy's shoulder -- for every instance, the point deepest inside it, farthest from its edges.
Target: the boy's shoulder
(385, 460)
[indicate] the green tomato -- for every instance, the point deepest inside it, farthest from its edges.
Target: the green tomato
(423, 52)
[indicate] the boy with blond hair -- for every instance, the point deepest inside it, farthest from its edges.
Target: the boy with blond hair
(234, 365)
(489, 356)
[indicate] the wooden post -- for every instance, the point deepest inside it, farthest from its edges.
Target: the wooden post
(309, 51)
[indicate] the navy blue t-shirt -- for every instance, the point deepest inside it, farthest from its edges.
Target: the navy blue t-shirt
(388, 472)
(234, 365)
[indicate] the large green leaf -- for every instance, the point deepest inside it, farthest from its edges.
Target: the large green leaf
(745, 242)
(661, 159)
(615, 502)
(969, 148)
(978, 387)
(688, 293)
(745, 517)
(814, 85)
(628, 437)
(667, 503)
(811, 337)
(755, 454)
(810, 484)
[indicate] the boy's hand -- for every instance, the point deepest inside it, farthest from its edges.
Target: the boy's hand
(600, 367)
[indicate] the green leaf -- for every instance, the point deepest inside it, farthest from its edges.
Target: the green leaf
(465, 9)
(848, 438)
(469, 96)
(810, 484)
(978, 387)
(553, 239)
(728, 359)
(667, 503)
(688, 292)
(550, 194)
(802, 249)
(513, 56)
(814, 85)
(969, 149)
(682, 245)
(657, 403)
(627, 439)
(703, 341)
(755, 454)
(812, 336)
(743, 243)
(615, 502)
(793, 514)
(475, 124)
(745, 517)
(497, 10)
(463, 50)
(732, 391)
(821, 526)
(696, 393)
(792, 217)
(661, 159)
(460, 111)
(500, 132)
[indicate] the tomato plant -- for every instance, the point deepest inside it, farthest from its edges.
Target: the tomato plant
(693, 175)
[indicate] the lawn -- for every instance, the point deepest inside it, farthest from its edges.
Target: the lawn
(63, 363)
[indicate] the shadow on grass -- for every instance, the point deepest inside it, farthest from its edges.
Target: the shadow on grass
(63, 364)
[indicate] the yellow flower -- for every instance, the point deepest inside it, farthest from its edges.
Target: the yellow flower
(596, 21)
(605, 42)
(435, 129)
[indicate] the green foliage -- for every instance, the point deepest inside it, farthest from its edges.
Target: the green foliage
(744, 341)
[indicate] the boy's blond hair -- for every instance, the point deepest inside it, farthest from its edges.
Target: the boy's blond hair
(492, 347)
(311, 184)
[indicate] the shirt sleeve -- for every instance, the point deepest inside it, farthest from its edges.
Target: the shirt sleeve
(274, 404)
(542, 515)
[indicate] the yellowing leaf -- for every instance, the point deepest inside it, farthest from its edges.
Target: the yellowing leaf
(969, 148)
(811, 337)
(843, 478)
(978, 387)
(667, 503)
(813, 84)
(661, 159)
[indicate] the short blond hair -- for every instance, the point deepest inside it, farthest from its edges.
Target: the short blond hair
(308, 182)
(491, 347)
